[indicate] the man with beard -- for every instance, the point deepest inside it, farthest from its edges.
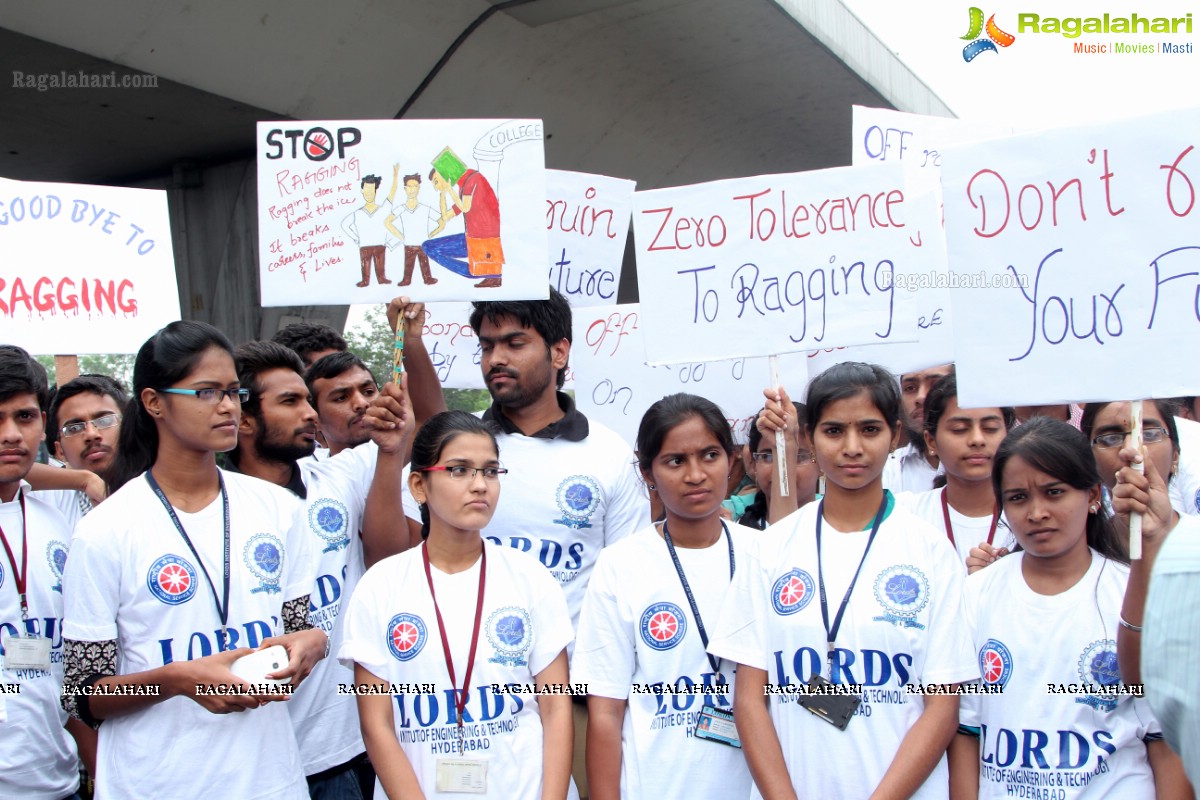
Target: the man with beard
(342, 388)
(83, 425)
(351, 499)
(912, 468)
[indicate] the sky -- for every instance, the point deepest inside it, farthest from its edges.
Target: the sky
(1038, 80)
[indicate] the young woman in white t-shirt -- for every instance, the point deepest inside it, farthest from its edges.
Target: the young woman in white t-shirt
(854, 591)
(641, 643)
(965, 441)
(1044, 624)
(437, 633)
(179, 573)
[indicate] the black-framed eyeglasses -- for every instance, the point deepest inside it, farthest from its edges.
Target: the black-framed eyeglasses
(1107, 441)
(99, 423)
(461, 472)
(768, 456)
(212, 396)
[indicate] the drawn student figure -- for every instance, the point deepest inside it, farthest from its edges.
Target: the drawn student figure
(1044, 623)
(368, 227)
(447, 623)
(414, 217)
(478, 253)
(964, 441)
(649, 610)
(175, 576)
(852, 590)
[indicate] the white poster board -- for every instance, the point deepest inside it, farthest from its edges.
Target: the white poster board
(84, 269)
(776, 263)
(587, 225)
(615, 385)
(1087, 241)
(348, 210)
(917, 140)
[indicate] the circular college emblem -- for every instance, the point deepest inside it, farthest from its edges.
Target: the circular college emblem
(792, 592)
(172, 580)
(577, 497)
(406, 636)
(508, 630)
(902, 590)
(264, 557)
(995, 663)
(1098, 664)
(663, 626)
(327, 518)
(1197, 501)
(56, 556)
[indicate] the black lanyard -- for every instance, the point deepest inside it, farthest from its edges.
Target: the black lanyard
(20, 578)
(687, 590)
(222, 609)
(831, 633)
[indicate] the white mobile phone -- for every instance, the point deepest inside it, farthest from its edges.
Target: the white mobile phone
(255, 667)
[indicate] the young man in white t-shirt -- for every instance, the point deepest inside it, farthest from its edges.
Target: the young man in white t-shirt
(38, 759)
(912, 468)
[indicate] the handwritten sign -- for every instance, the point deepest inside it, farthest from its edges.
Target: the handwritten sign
(1088, 245)
(352, 211)
(84, 269)
(614, 385)
(884, 135)
(587, 223)
(776, 263)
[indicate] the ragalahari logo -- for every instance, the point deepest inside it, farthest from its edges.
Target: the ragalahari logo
(994, 37)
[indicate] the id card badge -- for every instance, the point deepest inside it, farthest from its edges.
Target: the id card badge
(821, 700)
(27, 652)
(463, 775)
(716, 725)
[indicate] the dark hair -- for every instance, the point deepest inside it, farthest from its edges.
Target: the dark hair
(375, 179)
(437, 432)
(416, 176)
(256, 357)
(20, 373)
(1087, 424)
(307, 338)
(754, 438)
(550, 318)
(848, 379)
(84, 384)
(1058, 449)
(939, 397)
(331, 366)
(167, 357)
(672, 411)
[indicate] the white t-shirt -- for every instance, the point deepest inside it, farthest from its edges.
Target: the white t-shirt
(1084, 746)
(902, 625)
(392, 631)
(325, 720)
(564, 501)
(1185, 488)
(907, 470)
(637, 627)
(131, 577)
(73, 505)
(368, 229)
(415, 223)
(37, 756)
(968, 531)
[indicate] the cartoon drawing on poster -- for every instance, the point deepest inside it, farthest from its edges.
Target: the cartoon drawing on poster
(329, 234)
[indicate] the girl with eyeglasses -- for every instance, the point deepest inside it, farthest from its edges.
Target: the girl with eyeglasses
(653, 599)
(769, 505)
(857, 599)
(964, 441)
(182, 571)
(459, 645)
(1044, 625)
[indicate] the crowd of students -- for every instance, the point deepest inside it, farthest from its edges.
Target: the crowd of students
(941, 605)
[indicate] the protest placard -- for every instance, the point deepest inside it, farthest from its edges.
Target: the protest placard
(777, 263)
(613, 383)
(1089, 242)
(352, 211)
(587, 224)
(84, 269)
(918, 140)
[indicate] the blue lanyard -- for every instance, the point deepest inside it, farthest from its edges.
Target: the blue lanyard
(222, 610)
(687, 590)
(831, 633)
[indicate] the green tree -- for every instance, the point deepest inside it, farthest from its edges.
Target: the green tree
(372, 342)
(114, 365)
